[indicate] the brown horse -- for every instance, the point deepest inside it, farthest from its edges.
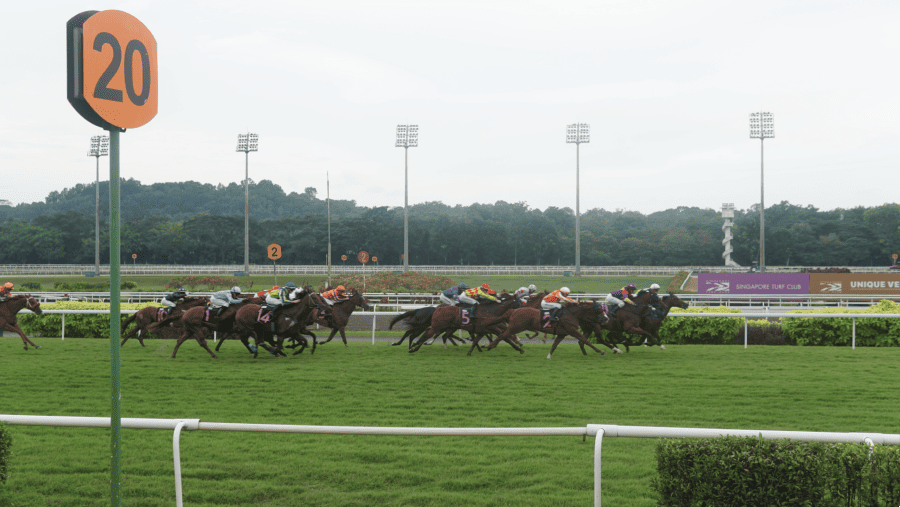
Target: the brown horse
(10, 308)
(289, 322)
(652, 318)
(199, 322)
(152, 314)
(340, 316)
(488, 320)
(529, 319)
(628, 319)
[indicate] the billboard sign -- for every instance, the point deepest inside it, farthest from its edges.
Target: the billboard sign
(753, 283)
(854, 283)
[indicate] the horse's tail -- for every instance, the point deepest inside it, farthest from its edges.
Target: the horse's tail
(406, 317)
(128, 321)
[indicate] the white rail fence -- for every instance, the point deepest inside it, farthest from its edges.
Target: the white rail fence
(745, 315)
(598, 431)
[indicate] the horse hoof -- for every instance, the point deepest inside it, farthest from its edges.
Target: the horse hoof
(37, 346)
(549, 356)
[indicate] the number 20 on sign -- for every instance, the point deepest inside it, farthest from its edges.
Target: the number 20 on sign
(111, 69)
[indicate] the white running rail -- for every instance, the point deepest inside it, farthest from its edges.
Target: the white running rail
(591, 430)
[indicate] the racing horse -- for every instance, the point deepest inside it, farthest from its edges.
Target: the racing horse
(529, 319)
(628, 319)
(198, 322)
(651, 320)
(488, 320)
(152, 314)
(10, 308)
(340, 316)
(286, 322)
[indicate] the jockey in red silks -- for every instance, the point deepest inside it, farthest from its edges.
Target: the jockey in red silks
(333, 296)
(6, 290)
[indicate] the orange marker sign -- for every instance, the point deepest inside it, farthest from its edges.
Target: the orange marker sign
(274, 251)
(363, 257)
(112, 69)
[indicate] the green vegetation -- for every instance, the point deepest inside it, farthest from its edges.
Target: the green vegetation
(752, 471)
(776, 388)
(180, 223)
(839, 331)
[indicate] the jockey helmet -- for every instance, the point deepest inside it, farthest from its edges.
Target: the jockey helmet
(485, 286)
(9, 285)
(180, 289)
(462, 286)
(340, 288)
(565, 290)
(290, 285)
(235, 290)
(630, 287)
(654, 286)
(532, 288)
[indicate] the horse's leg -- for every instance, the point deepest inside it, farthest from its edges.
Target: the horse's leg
(222, 340)
(181, 340)
(343, 336)
(334, 331)
(25, 340)
(559, 338)
(201, 339)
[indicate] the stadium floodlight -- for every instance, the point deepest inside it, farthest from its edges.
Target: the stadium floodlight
(99, 148)
(247, 143)
(407, 137)
(762, 127)
(578, 133)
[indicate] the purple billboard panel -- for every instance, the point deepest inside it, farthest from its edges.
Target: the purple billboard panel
(753, 283)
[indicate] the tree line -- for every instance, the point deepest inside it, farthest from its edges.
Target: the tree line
(193, 223)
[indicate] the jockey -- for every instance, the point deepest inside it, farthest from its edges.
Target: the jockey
(225, 298)
(654, 293)
(333, 296)
(532, 289)
(276, 298)
(554, 301)
(469, 297)
(6, 290)
(522, 294)
(617, 299)
(451, 296)
(174, 298)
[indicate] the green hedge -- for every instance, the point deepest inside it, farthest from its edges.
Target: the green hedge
(733, 471)
(77, 325)
(690, 330)
(5, 446)
(91, 286)
(839, 331)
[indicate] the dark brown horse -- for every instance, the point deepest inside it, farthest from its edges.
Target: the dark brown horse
(10, 308)
(628, 319)
(529, 319)
(288, 321)
(340, 316)
(152, 314)
(488, 319)
(417, 322)
(652, 318)
(199, 322)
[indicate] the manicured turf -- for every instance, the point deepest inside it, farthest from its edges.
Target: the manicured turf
(786, 388)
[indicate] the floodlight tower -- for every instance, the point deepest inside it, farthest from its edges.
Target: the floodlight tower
(247, 143)
(578, 133)
(407, 137)
(762, 126)
(99, 148)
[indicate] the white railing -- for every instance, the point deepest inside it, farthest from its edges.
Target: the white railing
(743, 315)
(127, 269)
(598, 431)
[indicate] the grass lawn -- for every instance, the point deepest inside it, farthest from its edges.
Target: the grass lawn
(778, 388)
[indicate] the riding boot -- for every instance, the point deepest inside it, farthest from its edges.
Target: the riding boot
(554, 315)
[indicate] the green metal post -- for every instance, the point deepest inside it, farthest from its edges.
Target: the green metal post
(115, 420)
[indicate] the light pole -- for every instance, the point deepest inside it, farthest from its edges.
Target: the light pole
(761, 127)
(407, 137)
(247, 143)
(99, 148)
(328, 208)
(578, 133)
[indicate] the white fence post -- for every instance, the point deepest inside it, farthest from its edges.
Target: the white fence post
(598, 444)
(64, 326)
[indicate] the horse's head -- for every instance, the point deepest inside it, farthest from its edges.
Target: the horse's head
(33, 304)
(361, 301)
(672, 300)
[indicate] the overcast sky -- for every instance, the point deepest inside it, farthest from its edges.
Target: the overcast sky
(666, 86)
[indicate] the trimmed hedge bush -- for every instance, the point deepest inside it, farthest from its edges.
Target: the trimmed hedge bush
(762, 332)
(710, 331)
(838, 331)
(91, 286)
(732, 471)
(77, 325)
